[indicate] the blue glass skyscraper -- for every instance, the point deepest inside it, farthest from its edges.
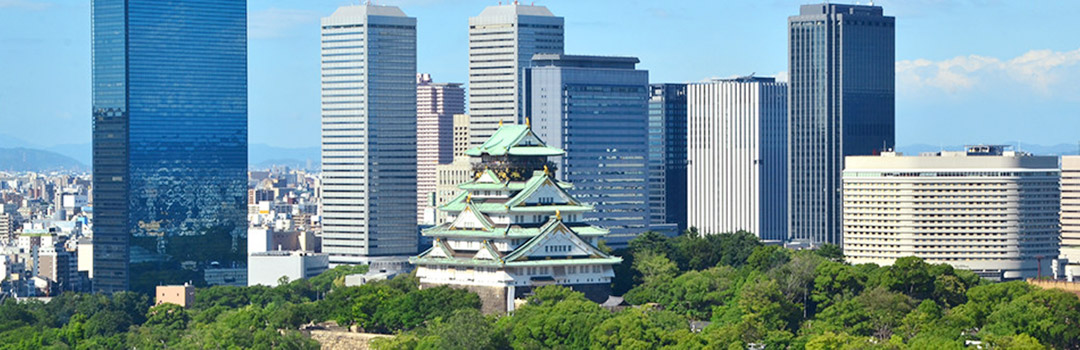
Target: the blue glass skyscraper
(170, 138)
(596, 108)
(667, 155)
(842, 67)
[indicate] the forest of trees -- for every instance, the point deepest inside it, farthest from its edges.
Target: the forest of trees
(751, 294)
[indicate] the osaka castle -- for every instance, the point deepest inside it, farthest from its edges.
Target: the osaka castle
(514, 227)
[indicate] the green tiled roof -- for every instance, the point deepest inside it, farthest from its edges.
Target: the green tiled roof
(547, 229)
(472, 185)
(419, 260)
(506, 141)
(509, 232)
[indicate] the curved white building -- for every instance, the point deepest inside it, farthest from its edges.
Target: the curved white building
(991, 211)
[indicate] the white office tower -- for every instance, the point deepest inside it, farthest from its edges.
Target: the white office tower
(1070, 216)
(737, 157)
(502, 41)
(368, 134)
(987, 210)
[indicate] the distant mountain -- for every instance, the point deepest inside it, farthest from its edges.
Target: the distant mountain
(26, 159)
(82, 152)
(263, 156)
(291, 163)
(1054, 150)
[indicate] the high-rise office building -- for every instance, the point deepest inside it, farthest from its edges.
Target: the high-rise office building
(667, 155)
(436, 106)
(596, 108)
(368, 133)
(502, 42)
(988, 210)
(737, 141)
(1070, 216)
(841, 62)
(169, 137)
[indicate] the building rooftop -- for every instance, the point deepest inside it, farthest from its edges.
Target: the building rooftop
(515, 140)
(514, 8)
(749, 79)
(582, 61)
(827, 8)
(356, 14)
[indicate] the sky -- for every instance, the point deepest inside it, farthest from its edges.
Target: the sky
(976, 71)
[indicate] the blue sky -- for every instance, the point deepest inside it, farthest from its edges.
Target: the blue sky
(967, 71)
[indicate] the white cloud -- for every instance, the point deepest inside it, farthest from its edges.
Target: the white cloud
(25, 5)
(1045, 72)
(276, 23)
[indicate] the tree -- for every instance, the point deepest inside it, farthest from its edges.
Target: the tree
(1052, 316)
(837, 341)
(830, 251)
(564, 323)
(655, 268)
(875, 312)
(909, 275)
(767, 257)
(985, 299)
(639, 328)
(835, 282)
(409, 310)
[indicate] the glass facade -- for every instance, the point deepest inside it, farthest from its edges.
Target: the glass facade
(368, 134)
(170, 139)
(667, 155)
(596, 108)
(841, 60)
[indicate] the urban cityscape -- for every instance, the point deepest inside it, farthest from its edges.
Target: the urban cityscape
(558, 197)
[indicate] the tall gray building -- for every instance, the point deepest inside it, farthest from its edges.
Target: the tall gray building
(596, 108)
(368, 134)
(502, 42)
(841, 61)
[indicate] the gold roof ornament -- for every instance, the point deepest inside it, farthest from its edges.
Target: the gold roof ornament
(468, 198)
(546, 171)
(527, 123)
(500, 123)
(558, 215)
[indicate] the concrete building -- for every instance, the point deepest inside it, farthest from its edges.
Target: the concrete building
(7, 226)
(169, 109)
(436, 106)
(264, 239)
(737, 159)
(266, 268)
(987, 210)
(368, 133)
(85, 253)
(596, 108)
(1070, 216)
(842, 67)
(667, 155)
(448, 176)
(183, 295)
(502, 42)
(514, 228)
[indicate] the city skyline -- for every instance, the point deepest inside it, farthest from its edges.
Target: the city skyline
(980, 71)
